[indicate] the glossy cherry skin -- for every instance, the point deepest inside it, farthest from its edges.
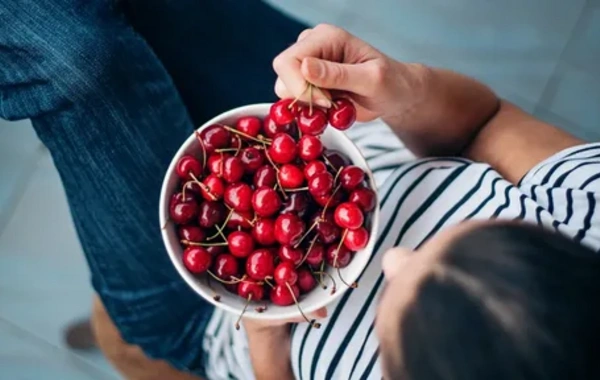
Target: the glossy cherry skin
(192, 187)
(196, 260)
(215, 163)
(320, 184)
(252, 159)
(269, 127)
(316, 255)
(226, 266)
(306, 281)
(364, 198)
(343, 116)
(239, 196)
(191, 233)
(296, 203)
(312, 123)
(264, 232)
(338, 258)
(336, 158)
(240, 244)
(251, 290)
(327, 230)
(236, 142)
(266, 175)
(289, 229)
(309, 148)
(213, 189)
(281, 296)
(241, 219)
(211, 213)
(214, 250)
(314, 167)
(265, 201)
(182, 211)
(351, 177)
(348, 215)
(233, 169)
(290, 254)
(284, 273)
(290, 176)
(356, 239)
(329, 200)
(215, 137)
(260, 264)
(249, 125)
(281, 112)
(186, 165)
(283, 149)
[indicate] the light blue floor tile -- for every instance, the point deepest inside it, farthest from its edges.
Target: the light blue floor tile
(584, 48)
(311, 12)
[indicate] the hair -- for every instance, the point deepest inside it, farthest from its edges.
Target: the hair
(505, 301)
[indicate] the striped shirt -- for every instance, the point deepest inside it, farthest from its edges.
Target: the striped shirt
(419, 198)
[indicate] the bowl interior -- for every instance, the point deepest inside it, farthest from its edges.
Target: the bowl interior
(332, 139)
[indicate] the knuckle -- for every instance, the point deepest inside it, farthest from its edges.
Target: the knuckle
(278, 63)
(379, 71)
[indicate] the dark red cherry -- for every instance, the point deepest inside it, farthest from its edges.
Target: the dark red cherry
(290, 254)
(270, 128)
(191, 233)
(241, 219)
(196, 259)
(264, 231)
(348, 215)
(327, 230)
(192, 187)
(266, 175)
(213, 189)
(309, 148)
(252, 159)
(290, 176)
(265, 201)
(281, 112)
(182, 211)
(249, 125)
(215, 137)
(226, 266)
(356, 239)
(312, 123)
(289, 229)
(351, 177)
(239, 196)
(240, 244)
(296, 203)
(211, 213)
(215, 163)
(233, 169)
(338, 258)
(284, 273)
(214, 250)
(314, 167)
(282, 149)
(281, 296)
(247, 288)
(260, 264)
(364, 198)
(320, 184)
(186, 165)
(343, 116)
(336, 158)
(306, 281)
(329, 200)
(316, 255)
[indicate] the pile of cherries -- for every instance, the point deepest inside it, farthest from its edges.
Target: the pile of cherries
(265, 207)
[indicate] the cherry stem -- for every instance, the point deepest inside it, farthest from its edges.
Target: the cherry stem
(203, 186)
(237, 323)
(353, 285)
(195, 244)
(337, 251)
(232, 282)
(337, 175)
(328, 162)
(334, 289)
(329, 200)
(326, 97)
(220, 229)
(321, 275)
(227, 150)
(315, 224)
(261, 140)
(310, 98)
(199, 138)
(216, 297)
(311, 322)
(266, 279)
(298, 189)
(299, 96)
(277, 173)
(251, 222)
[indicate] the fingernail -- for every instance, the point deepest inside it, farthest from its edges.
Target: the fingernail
(321, 102)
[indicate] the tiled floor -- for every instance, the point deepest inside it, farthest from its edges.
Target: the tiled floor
(541, 54)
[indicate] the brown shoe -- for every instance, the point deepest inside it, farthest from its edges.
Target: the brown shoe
(79, 336)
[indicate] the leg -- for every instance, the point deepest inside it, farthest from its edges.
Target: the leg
(109, 114)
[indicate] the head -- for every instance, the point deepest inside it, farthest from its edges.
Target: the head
(491, 301)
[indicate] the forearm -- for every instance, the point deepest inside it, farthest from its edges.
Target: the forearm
(270, 352)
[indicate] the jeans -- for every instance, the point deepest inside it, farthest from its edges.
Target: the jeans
(112, 89)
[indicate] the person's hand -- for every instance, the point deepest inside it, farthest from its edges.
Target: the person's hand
(333, 59)
(258, 325)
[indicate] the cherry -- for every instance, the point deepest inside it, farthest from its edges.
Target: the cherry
(289, 229)
(329, 200)
(364, 198)
(336, 159)
(240, 244)
(215, 137)
(348, 215)
(231, 288)
(266, 175)
(327, 230)
(246, 289)
(284, 273)
(235, 142)
(239, 196)
(249, 125)
(265, 201)
(196, 259)
(191, 233)
(343, 116)
(252, 159)
(215, 163)
(290, 254)
(192, 187)
(241, 219)
(320, 184)
(226, 266)
(338, 258)
(215, 249)
(270, 127)
(215, 187)
(296, 203)
(233, 169)
(188, 164)
(306, 281)
(211, 213)
(260, 264)
(356, 239)
(264, 231)
(290, 176)
(312, 123)
(315, 256)
(182, 211)
(281, 113)
(281, 296)
(351, 176)
(314, 167)
(282, 149)
(309, 147)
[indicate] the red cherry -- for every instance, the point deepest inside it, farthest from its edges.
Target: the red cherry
(270, 127)
(233, 169)
(364, 198)
(251, 288)
(249, 125)
(239, 196)
(320, 184)
(235, 142)
(309, 147)
(191, 233)
(266, 175)
(215, 163)
(281, 113)
(312, 123)
(240, 244)
(260, 264)
(348, 215)
(265, 201)
(282, 149)
(231, 288)
(290, 254)
(226, 266)
(240, 219)
(336, 159)
(351, 176)
(281, 296)
(289, 229)
(296, 203)
(316, 255)
(196, 259)
(186, 165)
(306, 281)
(330, 200)
(182, 211)
(192, 187)
(252, 159)
(344, 256)
(215, 137)
(211, 213)
(290, 176)
(216, 188)
(285, 273)
(343, 116)
(356, 239)
(264, 231)
(215, 249)
(327, 230)
(314, 167)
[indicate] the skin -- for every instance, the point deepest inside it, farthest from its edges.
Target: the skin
(434, 112)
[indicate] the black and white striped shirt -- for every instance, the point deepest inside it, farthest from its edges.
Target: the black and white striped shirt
(419, 198)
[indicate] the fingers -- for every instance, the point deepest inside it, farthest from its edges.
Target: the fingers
(339, 76)
(317, 314)
(304, 34)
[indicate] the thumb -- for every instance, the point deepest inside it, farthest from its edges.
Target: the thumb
(333, 75)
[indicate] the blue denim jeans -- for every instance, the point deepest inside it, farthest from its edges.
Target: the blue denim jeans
(112, 89)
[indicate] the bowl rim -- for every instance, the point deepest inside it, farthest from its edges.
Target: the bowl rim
(292, 310)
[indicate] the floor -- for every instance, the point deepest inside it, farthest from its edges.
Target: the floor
(540, 54)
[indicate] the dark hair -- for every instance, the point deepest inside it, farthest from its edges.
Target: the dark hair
(505, 301)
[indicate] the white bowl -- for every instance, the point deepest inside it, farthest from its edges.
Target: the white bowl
(318, 298)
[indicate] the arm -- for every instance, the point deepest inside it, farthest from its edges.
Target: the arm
(270, 351)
